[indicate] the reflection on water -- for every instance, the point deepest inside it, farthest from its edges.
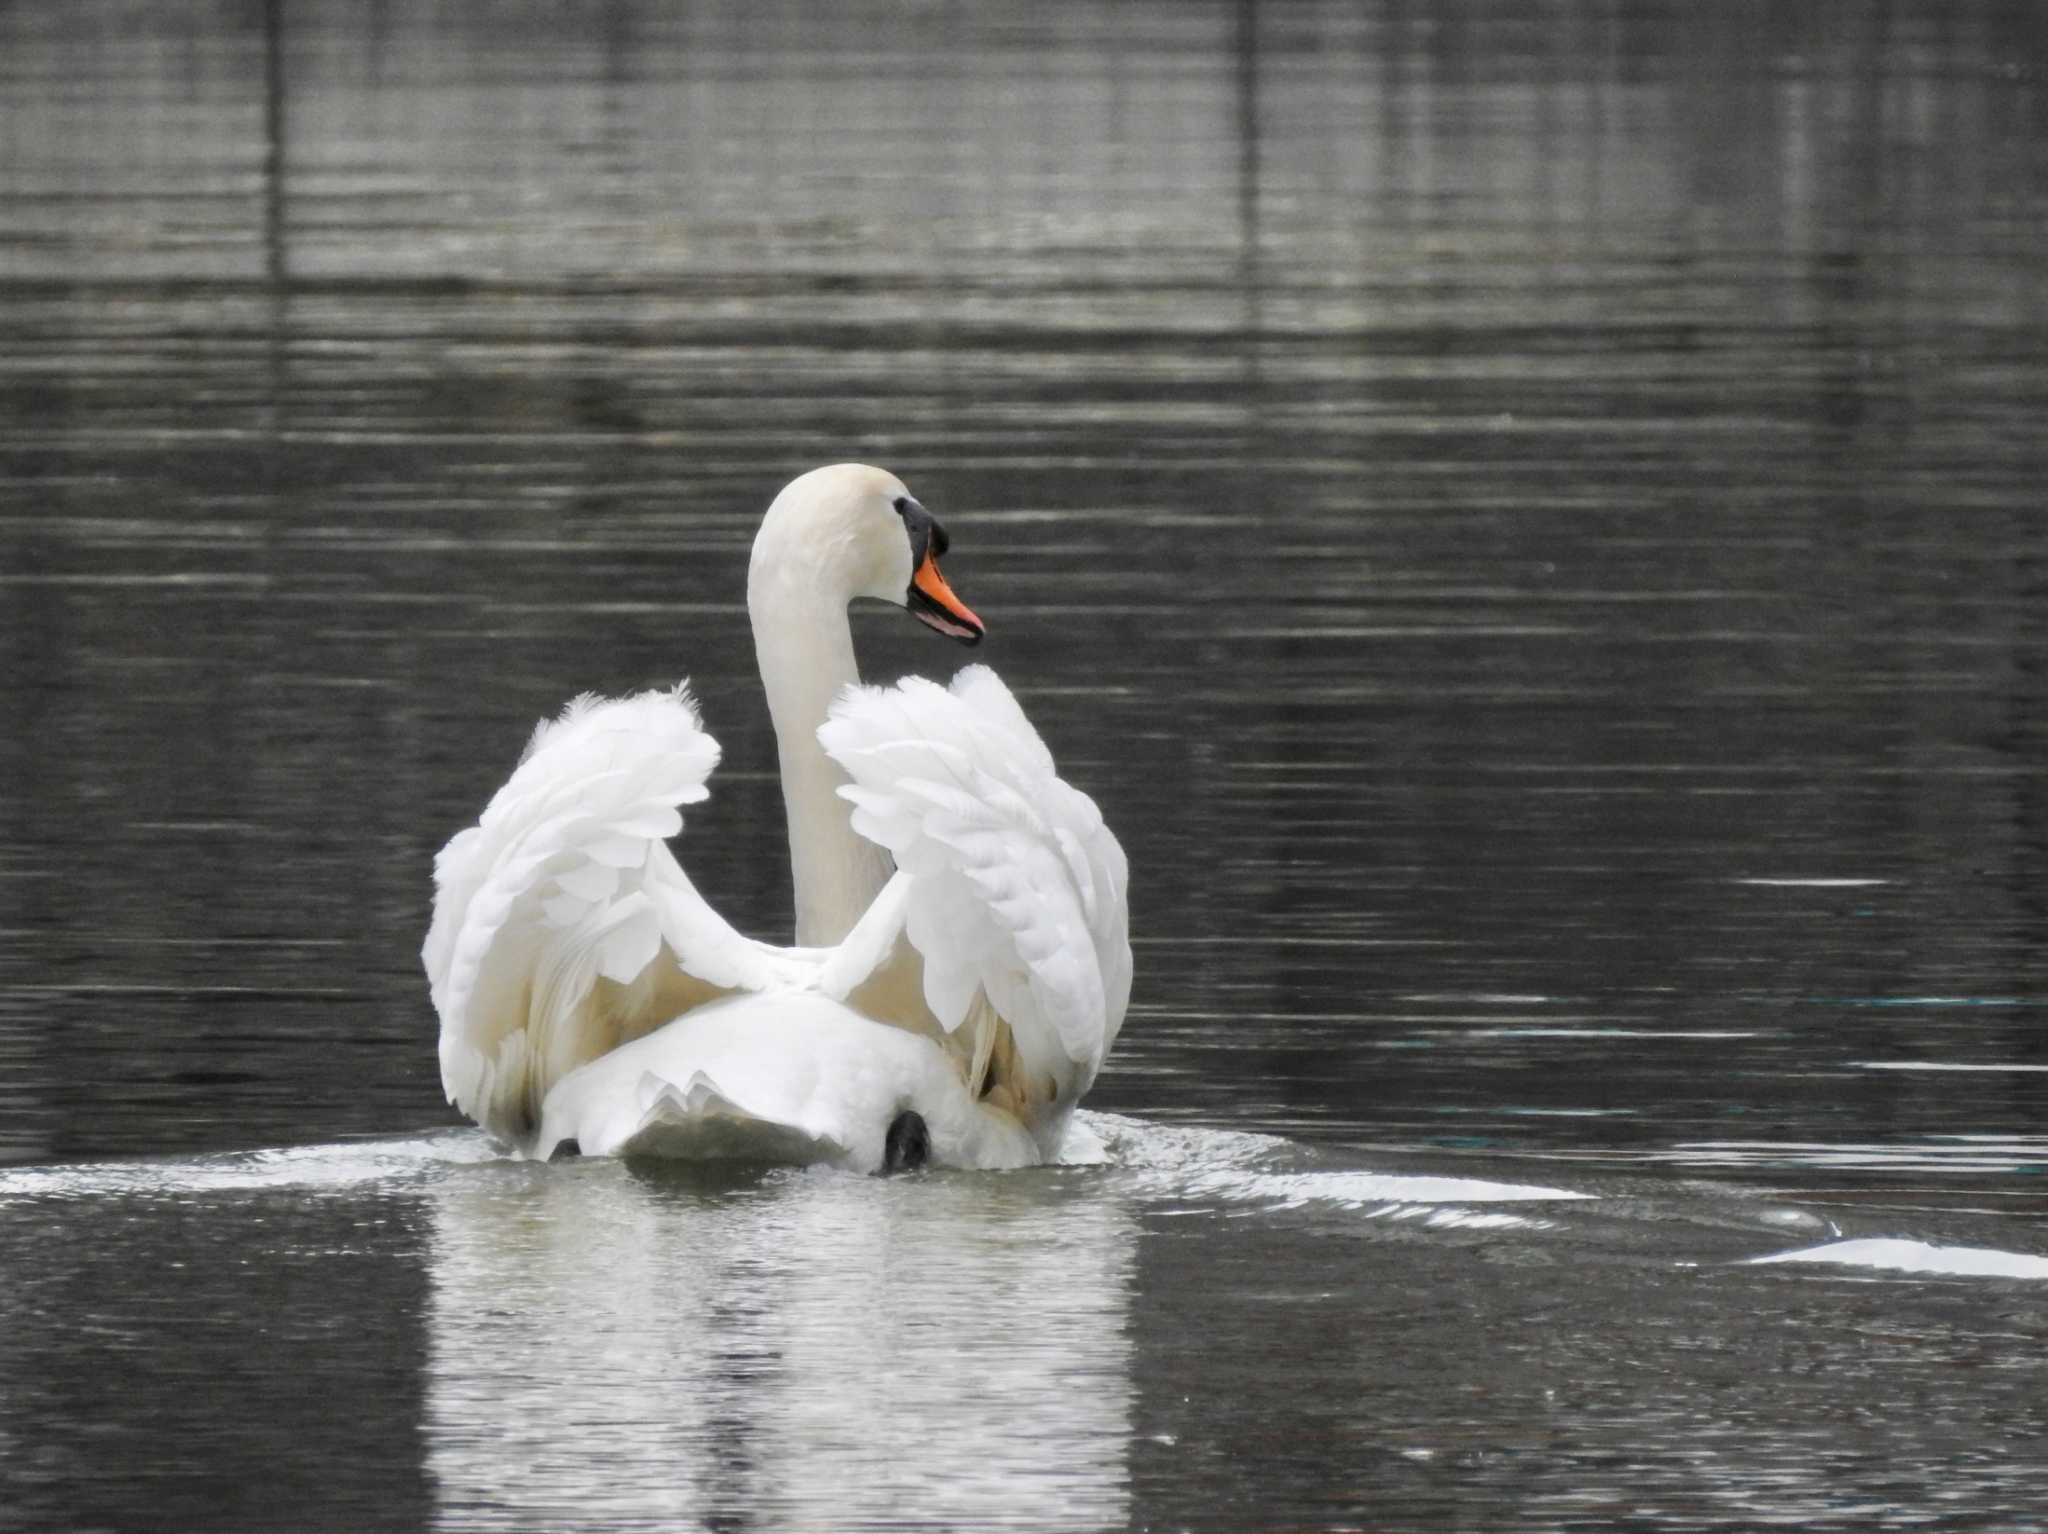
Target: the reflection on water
(1526, 517)
(810, 1350)
(1203, 1317)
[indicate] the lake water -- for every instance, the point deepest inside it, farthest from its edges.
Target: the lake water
(1528, 518)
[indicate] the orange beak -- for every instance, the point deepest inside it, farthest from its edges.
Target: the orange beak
(932, 602)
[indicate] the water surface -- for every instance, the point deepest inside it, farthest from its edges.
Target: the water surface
(1527, 519)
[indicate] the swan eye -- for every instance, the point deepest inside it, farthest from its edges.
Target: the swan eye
(926, 536)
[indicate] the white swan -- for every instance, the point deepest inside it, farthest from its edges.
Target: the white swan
(953, 1008)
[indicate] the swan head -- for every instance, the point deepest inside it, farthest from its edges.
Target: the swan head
(849, 530)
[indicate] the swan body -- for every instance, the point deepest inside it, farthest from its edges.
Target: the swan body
(792, 1077)
(962, 958)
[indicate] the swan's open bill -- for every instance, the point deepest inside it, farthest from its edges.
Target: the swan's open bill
(908, 1144)
(962, 963)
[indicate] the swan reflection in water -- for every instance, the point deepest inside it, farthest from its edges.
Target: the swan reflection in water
(794, 1348)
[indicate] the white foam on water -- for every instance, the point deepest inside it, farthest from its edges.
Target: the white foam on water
(1812, 884)
(348, 1165)
(1192, 1171)
(1934, 1153)
(1362, 1190)
(1944, 1065)
(1142, 1145)
(1552, 1032)
(1893, 1254)
(1178, 1169)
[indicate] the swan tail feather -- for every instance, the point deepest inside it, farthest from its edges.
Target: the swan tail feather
(699, 1122)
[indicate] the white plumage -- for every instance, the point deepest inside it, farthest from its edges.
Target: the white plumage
(588, 992)
(1016, 886)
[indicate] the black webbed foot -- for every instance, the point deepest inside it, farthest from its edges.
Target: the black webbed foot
(908, 1145)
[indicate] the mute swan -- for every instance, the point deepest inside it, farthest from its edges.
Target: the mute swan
(962, 962)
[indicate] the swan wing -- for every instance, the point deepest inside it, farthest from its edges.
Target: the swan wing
(1009, 885)
(563, 925)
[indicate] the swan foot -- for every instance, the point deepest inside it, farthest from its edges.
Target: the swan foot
(908, 1145)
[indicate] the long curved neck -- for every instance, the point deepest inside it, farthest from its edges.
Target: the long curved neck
(805, 651)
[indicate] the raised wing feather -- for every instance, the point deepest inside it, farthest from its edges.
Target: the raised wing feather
(563, 925)
(1016, 888)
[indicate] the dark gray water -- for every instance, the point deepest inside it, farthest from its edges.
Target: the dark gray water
(1528, 518)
